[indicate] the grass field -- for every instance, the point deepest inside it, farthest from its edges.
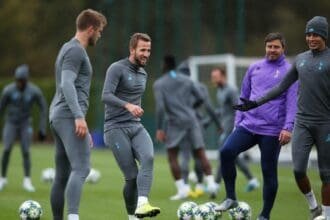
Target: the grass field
(103, 201)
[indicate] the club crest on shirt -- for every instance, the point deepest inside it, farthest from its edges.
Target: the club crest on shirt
(302, 63)
(130, 77)
(277, 74)
(320, 66)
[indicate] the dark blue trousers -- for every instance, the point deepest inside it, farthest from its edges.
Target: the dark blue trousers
(241, 140)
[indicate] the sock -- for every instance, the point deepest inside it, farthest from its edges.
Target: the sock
(310, 197)
(210, 180)
(132, 217)
(180, 185)
(73, 217)
(142, 200)
(326, 210)
(199, 186)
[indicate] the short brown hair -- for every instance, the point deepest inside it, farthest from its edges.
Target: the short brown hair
(275, 36)
(90, 17)
(136, 37)
(221, 70)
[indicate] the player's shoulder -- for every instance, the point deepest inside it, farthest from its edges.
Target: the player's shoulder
(73, 47)
(33, 87)
(258, 63)
(9, 87)
(160, 81)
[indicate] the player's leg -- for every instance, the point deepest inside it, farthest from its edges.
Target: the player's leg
(174, 138)
(243, 166)
(62, 173)
(322, 141)
(196, 136)
(238, 141)
(78, 153)
(198, 168)
(270, 149)
(25, 138)
(185, 152)
(120, 144)
(144, 152)
(302, 142)
(8, 137)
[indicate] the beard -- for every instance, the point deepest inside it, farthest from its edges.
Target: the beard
(92, 41)
(139, 62)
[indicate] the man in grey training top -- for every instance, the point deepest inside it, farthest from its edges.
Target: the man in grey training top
(173, 94)
(123, 132)
(73, 72)
(312, 125)
(18, 98)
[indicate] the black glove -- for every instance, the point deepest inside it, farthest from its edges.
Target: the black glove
(41, 136)
(246, 105)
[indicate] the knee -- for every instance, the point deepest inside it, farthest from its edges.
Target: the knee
(147, 161)
(226, 153)
(299, 175)
(82, 171)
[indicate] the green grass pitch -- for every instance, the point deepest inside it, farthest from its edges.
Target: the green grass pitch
(103, 201)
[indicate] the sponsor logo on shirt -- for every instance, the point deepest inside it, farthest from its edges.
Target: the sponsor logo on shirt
(277, 74)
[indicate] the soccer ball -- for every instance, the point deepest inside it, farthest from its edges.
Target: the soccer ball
(93, 176)
(185, 210)
(204, 212)
(30, 210)
(48, 175)
(241, 212)
(212, 205)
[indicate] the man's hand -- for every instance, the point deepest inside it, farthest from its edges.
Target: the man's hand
(41, 136)
(160, 136)
(285, 137)
(246, 105)
(135, 110)
(81, 127)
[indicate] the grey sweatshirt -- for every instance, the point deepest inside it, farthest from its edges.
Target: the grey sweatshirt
(125, 83)
(73, 73)
(19, 104)
(207, 106)
(227, 96)
(312, 69)
(173, 94)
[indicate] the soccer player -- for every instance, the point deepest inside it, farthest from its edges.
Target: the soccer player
(18, 98)
(186, 145)
(73, 73)
(312, 126)
(129, 141)
(227, 96)
(173, 94)
(269, 126)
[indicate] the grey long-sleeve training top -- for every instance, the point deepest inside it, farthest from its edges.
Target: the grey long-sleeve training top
(312, 69)
(173, 94)
(19, 104)
(125, 83)
(73, 72)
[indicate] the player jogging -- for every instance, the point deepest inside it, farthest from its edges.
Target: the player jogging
(123, 132)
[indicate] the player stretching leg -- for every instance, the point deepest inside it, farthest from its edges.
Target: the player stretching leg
(312, 69)
(73, 72)
(123, 132)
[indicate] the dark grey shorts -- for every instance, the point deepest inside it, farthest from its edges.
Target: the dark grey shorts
(176, 136)
(305, 136)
